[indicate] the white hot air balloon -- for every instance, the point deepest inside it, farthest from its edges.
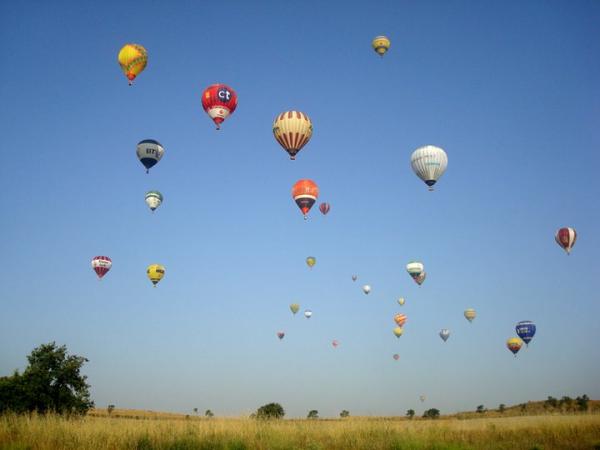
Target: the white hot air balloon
(415, 269)
(153, 199)
(366, 288)
(445, 334)
(429, 163)
(308, 313)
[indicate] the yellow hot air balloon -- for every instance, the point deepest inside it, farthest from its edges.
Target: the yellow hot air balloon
(293, 130)
(294, 307)
(155, 272)
(381, 44)
(311, 261)
(398, 332)
(470, 314)
(132, 59)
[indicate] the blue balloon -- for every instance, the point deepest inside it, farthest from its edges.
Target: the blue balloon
(526, 330)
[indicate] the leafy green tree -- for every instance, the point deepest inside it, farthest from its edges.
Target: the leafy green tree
(313, 414)
(345, 413)
(501, 408)
(582, 402)
(410, 413)
(51, 382)
(481, 409)
(208, 413)
(110, 409)
(270, 411)
(432, 413)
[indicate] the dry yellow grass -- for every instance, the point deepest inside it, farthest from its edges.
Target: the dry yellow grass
(99, 433)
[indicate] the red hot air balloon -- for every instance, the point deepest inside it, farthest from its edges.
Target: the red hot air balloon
(219, 100)
(101, 265)
(324, 208)
(335, 343)
(566, 237)
(396, 356)
(305, 194)
(280, 334)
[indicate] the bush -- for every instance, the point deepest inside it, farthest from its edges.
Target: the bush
(344, 414)
(313, 414)
(432, 413)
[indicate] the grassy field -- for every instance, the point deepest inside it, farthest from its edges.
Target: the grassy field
(155, 432)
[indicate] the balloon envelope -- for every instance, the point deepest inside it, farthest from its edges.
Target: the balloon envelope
(429, 163)
(398, 331)
(526, 330)
(293, 130)
(219, 101)
(445, 334)
(335, 343)
(514, 345)
(149, 152)
(470, 314)
(311, 261)
(101, 265)
(153, 199)
(305, 193)
(155, 273)
(308, 313)
(280, 334)
(133, 59)
(401, 301)
(354, 277)
(396, 356)
(324, 208)
(566, 237)
(366, 288)
(294, 307)
(400, 319)
(381, 45)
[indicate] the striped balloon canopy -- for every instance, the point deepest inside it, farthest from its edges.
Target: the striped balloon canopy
(101, 265)
(566, 237)
(293, 130)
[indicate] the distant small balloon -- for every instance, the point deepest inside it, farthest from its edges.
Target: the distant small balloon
(335, 343)
(398, 331)
(354, 277)
(514, 345)
(445, 334)
(400, 319)
(526, 330)
(470, 314)
(280, 334)
(396, 356)
(294, 307)
(401, 301)
(311, 261)
(422, 398)
(308, 313)
(324, 208)
(366, 288)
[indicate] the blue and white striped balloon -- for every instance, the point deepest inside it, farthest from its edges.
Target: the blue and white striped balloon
(526, 330)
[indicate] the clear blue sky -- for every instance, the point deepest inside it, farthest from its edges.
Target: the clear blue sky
(511, 91)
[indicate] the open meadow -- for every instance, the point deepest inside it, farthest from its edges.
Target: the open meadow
(581, 431)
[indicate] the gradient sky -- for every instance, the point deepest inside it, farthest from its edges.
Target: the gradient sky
(511, 91)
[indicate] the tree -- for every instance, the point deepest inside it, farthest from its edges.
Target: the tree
(501, 408)
(410, 413)
(51, 382)
(345, 413)
(481, 409)
(208, 413)
(551, 402)
(566, 402)
(110, 409)
(582, 402)
(432, 413)
(270, 411)
(313, 414)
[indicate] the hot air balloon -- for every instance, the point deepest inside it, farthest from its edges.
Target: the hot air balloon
(308, 313)
(381, 45)
(445, 334)
(429, 163)
(294, 307)
(153, 199)
(526, 331)
(311, 261)
(422, 398)
(293, 130)
(324, 208)
(335, 343)
(305, 194)
(398, 331)
(101, 265)
(280, 335)
(354, 277)
(132, 59)
(421, 278)
(415, 268)
(149, 152)
(366, 289)
(566, 237)
(219, 101)
(155, 272)
(470, 314)
(514, 345)
(396, 356)
(401, 301)
(400, 319)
